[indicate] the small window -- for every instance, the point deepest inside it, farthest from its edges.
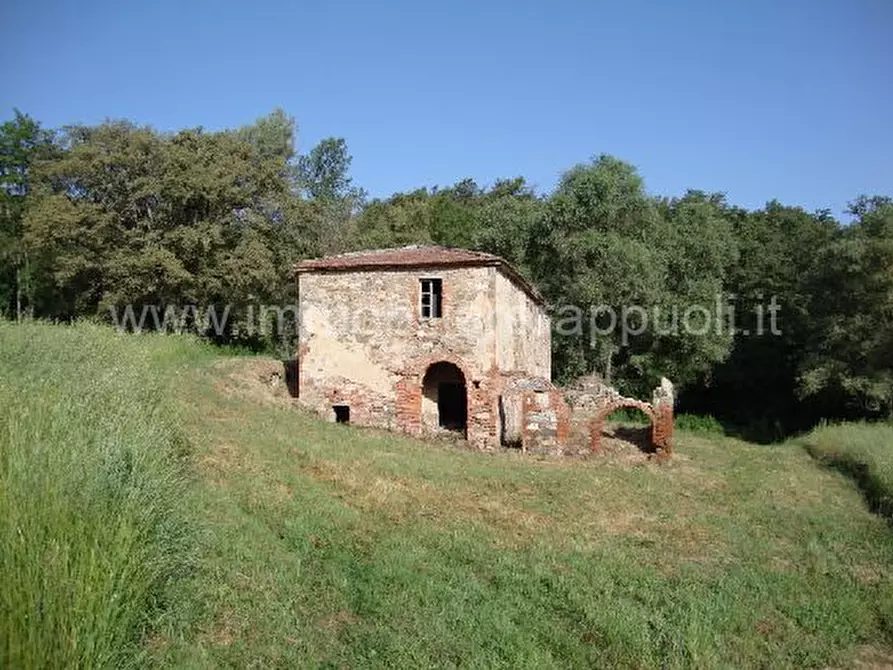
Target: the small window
(432, 298)
(342, 413)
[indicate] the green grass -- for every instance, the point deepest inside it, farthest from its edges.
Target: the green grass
(692, 423)
(628, 417)
(299, 543)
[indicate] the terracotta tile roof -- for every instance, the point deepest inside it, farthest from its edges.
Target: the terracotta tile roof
(415, 256)
(412, 256)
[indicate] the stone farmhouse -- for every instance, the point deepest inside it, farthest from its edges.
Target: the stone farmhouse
(429, 339)
(419, 339)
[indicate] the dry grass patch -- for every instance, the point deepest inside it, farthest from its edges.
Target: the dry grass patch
(254, 380)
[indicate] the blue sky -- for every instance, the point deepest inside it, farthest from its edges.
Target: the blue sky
(788, 99)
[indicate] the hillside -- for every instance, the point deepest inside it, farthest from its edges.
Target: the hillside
(249, 533)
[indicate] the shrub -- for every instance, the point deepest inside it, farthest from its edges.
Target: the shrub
(697, 423)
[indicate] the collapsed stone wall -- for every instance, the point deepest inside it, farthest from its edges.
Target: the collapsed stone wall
(542, 418)
(592, 402)
(535, 416)
(662, 403)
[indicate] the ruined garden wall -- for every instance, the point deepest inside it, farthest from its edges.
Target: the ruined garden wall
(542, 418)
(591, 406)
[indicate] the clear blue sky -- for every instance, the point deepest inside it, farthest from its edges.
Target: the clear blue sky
(787, 99)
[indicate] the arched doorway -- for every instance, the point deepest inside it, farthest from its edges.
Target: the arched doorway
(444, 398)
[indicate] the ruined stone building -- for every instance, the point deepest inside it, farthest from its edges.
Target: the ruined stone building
(419, 339)
(427, 339)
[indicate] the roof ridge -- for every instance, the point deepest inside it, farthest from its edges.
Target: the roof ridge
(441, 247)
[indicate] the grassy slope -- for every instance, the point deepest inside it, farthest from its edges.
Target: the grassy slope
(347, 547)
(325, 545)
(862, 451)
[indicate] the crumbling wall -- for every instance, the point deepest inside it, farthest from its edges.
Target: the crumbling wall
(662, 403)
(534, 416)
(591, 402)
(542, 418)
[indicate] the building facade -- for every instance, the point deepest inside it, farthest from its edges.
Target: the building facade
(420, 339)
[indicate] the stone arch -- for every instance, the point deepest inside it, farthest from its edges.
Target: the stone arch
(409, 389)
(444, 397)
(597, 423)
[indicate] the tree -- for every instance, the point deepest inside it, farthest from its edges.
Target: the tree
(452, 221)
(22, 142)
(323, 176)
(849, 354)
(128, 217)
(700, 250)
(505, 217)
(272, 136)
(612, 260)
(324, 173)
(772, 268)
(402, 219)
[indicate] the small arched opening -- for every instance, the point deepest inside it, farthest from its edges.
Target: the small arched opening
(630, 422)
(444, 398)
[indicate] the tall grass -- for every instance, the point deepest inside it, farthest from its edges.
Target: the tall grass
(91, 530)
(863, 451)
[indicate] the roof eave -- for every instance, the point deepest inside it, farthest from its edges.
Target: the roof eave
(364, 267)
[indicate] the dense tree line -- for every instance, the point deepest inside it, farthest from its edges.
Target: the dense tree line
(96, 218)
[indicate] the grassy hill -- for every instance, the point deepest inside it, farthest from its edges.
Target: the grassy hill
(163, 506)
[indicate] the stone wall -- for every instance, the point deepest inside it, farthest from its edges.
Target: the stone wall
(663, 402)
(535, 416)
(524, 345)
(542, 418)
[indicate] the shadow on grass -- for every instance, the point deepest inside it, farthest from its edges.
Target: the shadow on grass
(759, 431)
(640, 436)
(876, 494)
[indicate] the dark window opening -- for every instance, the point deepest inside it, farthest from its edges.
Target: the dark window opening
(432, 298)
(342, 413)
